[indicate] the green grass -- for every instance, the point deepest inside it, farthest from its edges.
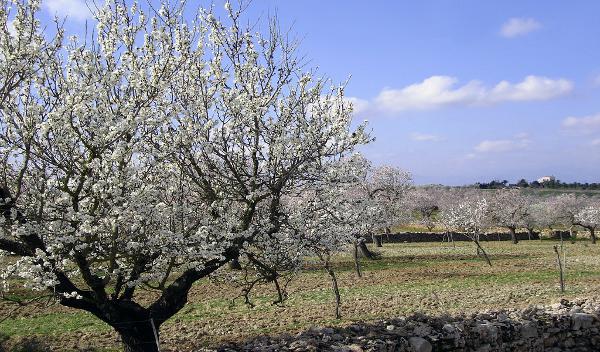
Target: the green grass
(432, 278)
(52, 324)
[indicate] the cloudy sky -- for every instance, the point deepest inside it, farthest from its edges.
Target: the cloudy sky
(456, 91)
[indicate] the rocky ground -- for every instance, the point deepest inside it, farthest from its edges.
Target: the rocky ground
(565, 326)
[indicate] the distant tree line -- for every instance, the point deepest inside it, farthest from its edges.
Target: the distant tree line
(553, 184)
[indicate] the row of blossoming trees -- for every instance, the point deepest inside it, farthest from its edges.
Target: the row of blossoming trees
(159, 149)
(475, 211)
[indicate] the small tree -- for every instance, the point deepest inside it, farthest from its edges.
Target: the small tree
(530, 221)
(508, 209)
(425, 203)
(388, 189)
(470, 215)
(325, 217)
(589, 218)
(566, 206)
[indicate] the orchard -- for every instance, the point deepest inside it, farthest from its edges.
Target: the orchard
(165, 151)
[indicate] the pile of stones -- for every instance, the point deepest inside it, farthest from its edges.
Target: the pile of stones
(565, 326)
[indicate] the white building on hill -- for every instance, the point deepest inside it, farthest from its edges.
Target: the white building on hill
(546, 179)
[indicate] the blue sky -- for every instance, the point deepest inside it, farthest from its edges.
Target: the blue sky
(457, 91)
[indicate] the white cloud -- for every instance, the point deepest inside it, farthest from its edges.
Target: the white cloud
(439, 91)
(531, 88)
(520, 141)
(582, 123)
(73, 9)
(501, 145)
(432, 92)
(423, 137)
(359, 105)
(519, 26)
(522, 135)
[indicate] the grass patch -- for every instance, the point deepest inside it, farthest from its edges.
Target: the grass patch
(432, 278)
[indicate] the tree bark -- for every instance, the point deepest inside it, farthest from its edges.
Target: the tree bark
(479, 248)
(592, 235)
(560, 268)
(513, 235)
(365, 251)
(356, 262)
(280, 293)
(529, 233)
(335, 288)
(234, 264)
(377, 240)
(138, 336)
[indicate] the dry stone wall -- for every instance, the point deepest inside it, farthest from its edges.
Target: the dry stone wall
(438, 237)
(564, 326)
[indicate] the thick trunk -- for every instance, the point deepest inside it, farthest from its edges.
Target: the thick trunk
(356, 262)
(138, 336)
(592, 235)
(131, 320)
(513, 235)
(365, 251)
(234, 264)
(377, 240)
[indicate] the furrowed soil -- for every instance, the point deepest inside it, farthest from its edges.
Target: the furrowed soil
(432, 278)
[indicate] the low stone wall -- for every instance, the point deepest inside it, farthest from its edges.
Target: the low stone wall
(565, 326)
(438, 237)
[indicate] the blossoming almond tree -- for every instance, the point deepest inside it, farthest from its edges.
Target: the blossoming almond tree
(588, 217)
(153, 154)
(471, 216)
(508, 209)
(425, 203)
(389, 187)
(327, 216)
(563, 209)
(530, 221)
